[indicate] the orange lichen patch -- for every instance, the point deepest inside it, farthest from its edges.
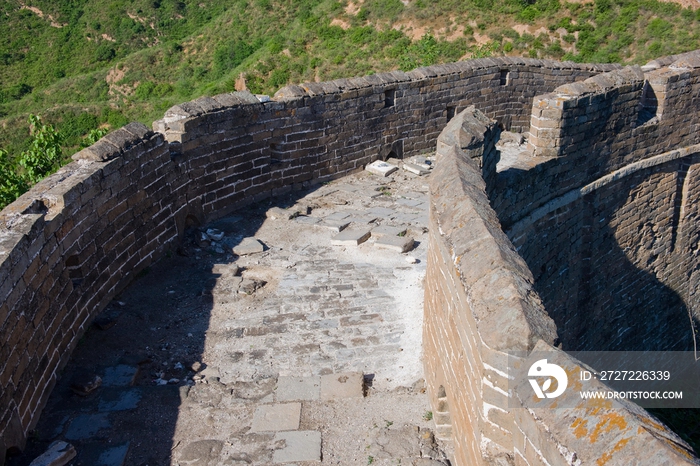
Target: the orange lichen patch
(595, 405)
(680, 449)
(650, 422)
(579, 426)
(609, 422)
(605, 457)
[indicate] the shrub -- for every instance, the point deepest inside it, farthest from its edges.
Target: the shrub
(44, 155)
(12, 185)
(105, 53)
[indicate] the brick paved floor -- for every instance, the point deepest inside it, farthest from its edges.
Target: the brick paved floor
(313, 366)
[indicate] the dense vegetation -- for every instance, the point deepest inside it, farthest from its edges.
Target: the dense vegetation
(87, 64)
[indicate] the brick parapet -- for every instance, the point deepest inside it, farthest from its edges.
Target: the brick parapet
(466, 350)
(606, 220)
(581, 131)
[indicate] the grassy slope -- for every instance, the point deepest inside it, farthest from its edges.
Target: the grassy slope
(120, 60)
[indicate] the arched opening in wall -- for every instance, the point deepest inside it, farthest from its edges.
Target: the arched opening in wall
(389, 98)
(394, 150)
(451, 109)
(74, 271)
(504, 77)
(648, 108)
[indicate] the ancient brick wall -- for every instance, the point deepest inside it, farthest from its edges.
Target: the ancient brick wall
(473, 270)
(606, 219)
(481, 306)
(78, 237)
(67, 247)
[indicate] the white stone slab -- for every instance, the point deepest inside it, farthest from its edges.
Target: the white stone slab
(307, 220)
(413, 168)
(276, 417)
(387, 230)
(351, 237)
(381, 168)
(58, 454)
(248, 246)
(334, 224)
(290, 388)
(395, 243)
(304, 445)
(342, 385)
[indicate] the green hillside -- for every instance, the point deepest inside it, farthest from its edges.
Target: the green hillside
(84, 64)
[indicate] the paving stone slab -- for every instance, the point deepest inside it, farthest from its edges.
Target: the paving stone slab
(387, 230)
(409, 202)
(307, 220)
(413, 168)
(304, 445)
(405, 217)
(248, 246)
(290, 388)
(118, 400)
(382, 212)
(335, 225)
(395, 243)
(381, 168)
(276, 417)
(58, 454)
(362, 219)
(346, 188)
(121, 375)
(341, 385)
(351, 237)
(337, 216)
(85, 426)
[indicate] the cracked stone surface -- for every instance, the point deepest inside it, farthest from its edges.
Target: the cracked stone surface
(207, 346)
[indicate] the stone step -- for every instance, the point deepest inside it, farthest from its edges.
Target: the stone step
(395, 243)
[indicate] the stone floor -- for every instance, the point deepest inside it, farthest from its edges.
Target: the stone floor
(287, 333)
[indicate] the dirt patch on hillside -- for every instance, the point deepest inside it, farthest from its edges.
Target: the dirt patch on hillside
(339, 22)
(41, 15)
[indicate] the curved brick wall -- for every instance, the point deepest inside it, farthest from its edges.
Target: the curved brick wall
(606, 217)
(481, 305)
(78, 237)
